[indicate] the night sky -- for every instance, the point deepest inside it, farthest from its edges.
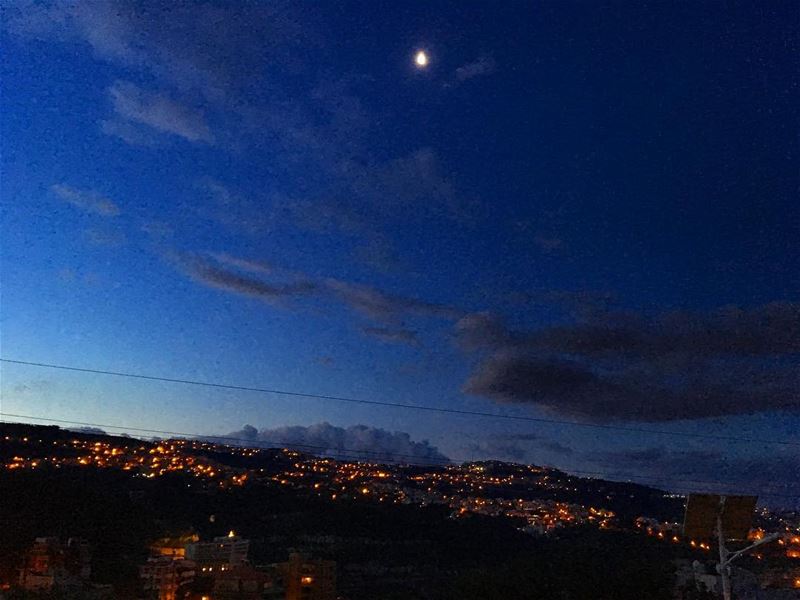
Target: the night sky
(576, 211)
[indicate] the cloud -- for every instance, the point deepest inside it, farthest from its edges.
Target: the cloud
(552, 446)
(485, 65)
(709, 470)
(202, 47)
(252, 266)
(769, 330)
(524, 437)
(519, 447)
(496, 448)
(557, 448)
(606, 366)
(510, 377)
(385, 307)
(327, 217)
(127, 132)
(90, 430)
(248, 277)
(354, 220)
(213, 56)
(357, 441)
(379, 254)
(160, 112)
(157, 230)
(87, 200)
(213, 275)
(393, 336)
(644, 368)
(411, 185)
(580, 304)
(235, 211)
(363, 201)
(475, 331)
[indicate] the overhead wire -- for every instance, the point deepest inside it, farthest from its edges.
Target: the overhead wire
(399, 405)
(677, 486)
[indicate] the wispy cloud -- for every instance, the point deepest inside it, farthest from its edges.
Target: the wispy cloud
(519, 447)
(557, 448)
(496, 448)
(202, 48)
(87, 200)
(211, 57)
(259, 267)
(217, 276)
(385, 307)
(128, 132)
(605, 367)
(160, 112)
(203, 61)
(411, 186)
(281, 286)
(232, 209)
(485, 65)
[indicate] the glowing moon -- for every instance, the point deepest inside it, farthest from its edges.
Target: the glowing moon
(421, 59)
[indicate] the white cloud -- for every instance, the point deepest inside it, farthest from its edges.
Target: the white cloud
(357, 441)
(485, 65)
(159, 112)
(87, 200)
(128, 132)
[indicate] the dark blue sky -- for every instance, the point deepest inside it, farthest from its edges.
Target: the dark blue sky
(580, 211)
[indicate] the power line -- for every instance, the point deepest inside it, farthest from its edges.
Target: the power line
(252, 443)
(454, 411)
(674, 484)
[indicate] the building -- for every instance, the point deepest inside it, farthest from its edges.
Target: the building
(225, 551)
(166, 578)
(174, 547)
(49, 563)
(307, 579)
(241, 583)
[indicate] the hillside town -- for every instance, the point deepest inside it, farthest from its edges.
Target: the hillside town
(535, 501)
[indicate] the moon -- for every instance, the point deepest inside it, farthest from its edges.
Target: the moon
(421, 59)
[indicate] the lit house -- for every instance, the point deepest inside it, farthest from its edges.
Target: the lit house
(174, 547)
(307, 579)
(222, 553)
(165, 577)
(241, 583)
(50, 563)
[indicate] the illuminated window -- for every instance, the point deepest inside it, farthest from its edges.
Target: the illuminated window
(306, 580)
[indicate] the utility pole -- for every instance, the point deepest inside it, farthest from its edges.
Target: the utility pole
(725, 557)
(722, 567)
(726, 517)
